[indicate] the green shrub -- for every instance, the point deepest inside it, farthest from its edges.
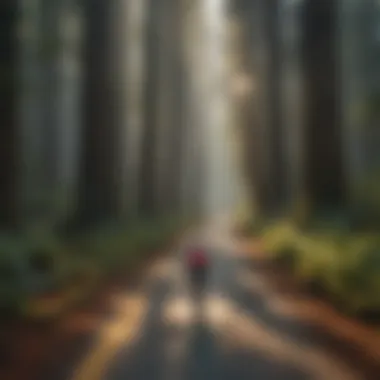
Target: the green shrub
(287, 255)
(38, 262)
(49, 264)
(360, 282)
(280, 237)
(119, 245)
(365, 212)
(12, 268)
(347, 266)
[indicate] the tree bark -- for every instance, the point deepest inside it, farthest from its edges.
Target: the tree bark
(147, 180)
(170, 112)
(325, 181)
(271, 16)
(8, 129)
(260, 109)
(100, 167)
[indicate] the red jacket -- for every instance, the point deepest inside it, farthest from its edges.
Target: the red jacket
(197, 258)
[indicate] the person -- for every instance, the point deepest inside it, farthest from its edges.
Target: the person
(198, 266)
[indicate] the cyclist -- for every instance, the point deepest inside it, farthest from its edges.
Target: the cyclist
(198, 266)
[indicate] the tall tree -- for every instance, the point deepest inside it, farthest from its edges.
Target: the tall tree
(100, 191)
(8, 128)
(258, 25)
(179, 89)
(324, 172)
(271, 17)
(147, 181)
(170, 107)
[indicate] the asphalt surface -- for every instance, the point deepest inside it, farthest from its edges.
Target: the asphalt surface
(241, 329)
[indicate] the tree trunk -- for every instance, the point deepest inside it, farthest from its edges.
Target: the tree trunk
(147, 181)
(8, 129)
(134, 66)
(170, 109)
(100, 191)
(178, 82)
(271, 15)
(323, 136)
(259, 108)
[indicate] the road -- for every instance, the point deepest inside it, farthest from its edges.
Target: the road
(244, 329)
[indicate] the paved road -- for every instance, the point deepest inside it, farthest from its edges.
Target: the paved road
(243, 329)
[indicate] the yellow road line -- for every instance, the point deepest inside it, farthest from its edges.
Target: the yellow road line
(119, 332)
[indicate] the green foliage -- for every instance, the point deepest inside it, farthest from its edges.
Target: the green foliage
(40, 263)
(30, 264)
(247, 221)
(301, 211)
(12, 269)
(279, 238)
(345, 265)
(366, 212)
(117, 245)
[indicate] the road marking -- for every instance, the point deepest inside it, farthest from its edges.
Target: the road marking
(121, 331)
(240, 329)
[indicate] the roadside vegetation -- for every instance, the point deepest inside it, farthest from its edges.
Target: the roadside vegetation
(42, 275)
(343, 266)
(337, 258)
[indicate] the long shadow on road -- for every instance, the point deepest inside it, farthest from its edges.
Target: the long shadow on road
(246, 365)
(145, 359)
(206, 355)
(299, 330)
(207, 360)
(203, 359)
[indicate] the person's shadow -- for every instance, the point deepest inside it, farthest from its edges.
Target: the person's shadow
(203, 357)
(198, 299)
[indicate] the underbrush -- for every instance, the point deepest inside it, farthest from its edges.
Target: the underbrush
(41, 275)
(345, 266)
